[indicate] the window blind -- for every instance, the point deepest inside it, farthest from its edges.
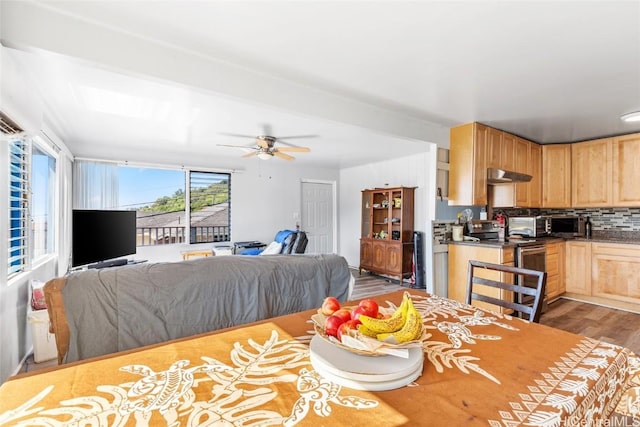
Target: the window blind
(19, 172)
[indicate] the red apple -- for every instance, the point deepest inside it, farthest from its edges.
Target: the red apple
(343, 313)
(330, 305)
(344, 328)
(370, 306)
(331, 325)
(356, 312)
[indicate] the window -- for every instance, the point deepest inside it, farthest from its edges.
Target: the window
(32, 179)
(209, 207)
(160, 198)
(43, 181)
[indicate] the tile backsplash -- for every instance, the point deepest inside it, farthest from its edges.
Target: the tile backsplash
(602, 219)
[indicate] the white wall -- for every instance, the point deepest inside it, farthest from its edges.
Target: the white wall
(412, 171)
(21, 104)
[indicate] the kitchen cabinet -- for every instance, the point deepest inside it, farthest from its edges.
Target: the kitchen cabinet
(528, 157)
(523, 162)
(578, 267)
(591, 173)
(386, 235)
(615, 271)
(556, 175)
(555, 270)
(473, 149)
(535, 185)
(508, 153)
(468, 165)
(494, 147)
(605, 173)
(625, 170)
(459, 256)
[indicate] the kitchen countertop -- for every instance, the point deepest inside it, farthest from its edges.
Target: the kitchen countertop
(624, 237)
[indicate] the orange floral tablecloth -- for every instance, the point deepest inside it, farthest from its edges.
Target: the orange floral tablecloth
(480, 368)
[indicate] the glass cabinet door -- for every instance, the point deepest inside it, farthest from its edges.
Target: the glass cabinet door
(366, 215)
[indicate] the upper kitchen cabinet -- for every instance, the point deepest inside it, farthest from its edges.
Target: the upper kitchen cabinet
(528, 160)
(473, 149)
(535, 185)
(508, 152)
(501, 148)
(626, 173)
(468, 165)
(591, 173)
(556, 176)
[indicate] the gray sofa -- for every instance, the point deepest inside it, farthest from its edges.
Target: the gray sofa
(98, 312)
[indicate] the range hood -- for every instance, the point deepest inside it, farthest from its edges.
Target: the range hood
(499, 176)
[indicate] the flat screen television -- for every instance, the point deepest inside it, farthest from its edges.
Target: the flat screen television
(99, 236)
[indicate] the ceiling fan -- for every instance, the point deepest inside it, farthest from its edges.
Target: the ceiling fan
(265, 147)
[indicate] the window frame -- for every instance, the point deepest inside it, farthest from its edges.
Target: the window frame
(186, 187)
(28, 259)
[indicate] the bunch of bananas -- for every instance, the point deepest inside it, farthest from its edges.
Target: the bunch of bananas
(404, 325)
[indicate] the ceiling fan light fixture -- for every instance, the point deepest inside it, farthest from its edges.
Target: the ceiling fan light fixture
(631, 117)
(264, 155)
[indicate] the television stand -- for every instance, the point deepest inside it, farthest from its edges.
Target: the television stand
(107, 264)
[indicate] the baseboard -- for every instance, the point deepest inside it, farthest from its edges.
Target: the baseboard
(604, 302)
(21, 365)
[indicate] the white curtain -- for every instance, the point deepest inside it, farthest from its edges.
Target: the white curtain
(95, 185)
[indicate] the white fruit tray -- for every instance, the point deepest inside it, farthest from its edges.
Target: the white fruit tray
(361, 372)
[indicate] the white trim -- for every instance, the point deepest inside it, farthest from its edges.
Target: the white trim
(161, 165)
(20, 366)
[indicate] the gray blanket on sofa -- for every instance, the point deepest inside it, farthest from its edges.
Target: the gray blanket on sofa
(120, 308)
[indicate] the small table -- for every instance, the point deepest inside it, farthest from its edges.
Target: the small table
(197, 254)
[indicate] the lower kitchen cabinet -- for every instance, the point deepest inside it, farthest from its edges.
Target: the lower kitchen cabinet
(578, 267)
(615, 271)
(555, 270)
(459, 256)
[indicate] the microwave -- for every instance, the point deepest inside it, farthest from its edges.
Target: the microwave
(567, 225)
(529, 226)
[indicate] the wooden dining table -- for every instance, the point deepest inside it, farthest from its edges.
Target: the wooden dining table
(480, 369)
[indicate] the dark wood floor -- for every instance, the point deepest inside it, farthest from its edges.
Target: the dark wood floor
(590, 320)
(594, 321)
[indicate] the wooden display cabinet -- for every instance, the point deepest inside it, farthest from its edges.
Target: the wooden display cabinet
(386, 237)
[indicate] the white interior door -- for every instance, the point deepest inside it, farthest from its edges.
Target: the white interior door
(318, 215)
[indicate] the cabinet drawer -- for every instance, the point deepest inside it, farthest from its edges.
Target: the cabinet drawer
(552, 248)
(508, 256)
(620, 249)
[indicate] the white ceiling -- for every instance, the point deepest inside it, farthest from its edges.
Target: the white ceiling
(350, 72)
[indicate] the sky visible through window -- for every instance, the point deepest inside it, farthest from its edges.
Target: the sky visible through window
(140, 187)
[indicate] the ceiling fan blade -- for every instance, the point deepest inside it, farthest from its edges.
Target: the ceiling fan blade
(282, 155)
(294, 149)
(236, 146)
(251, 154)
(280, 138)
(236, 134)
